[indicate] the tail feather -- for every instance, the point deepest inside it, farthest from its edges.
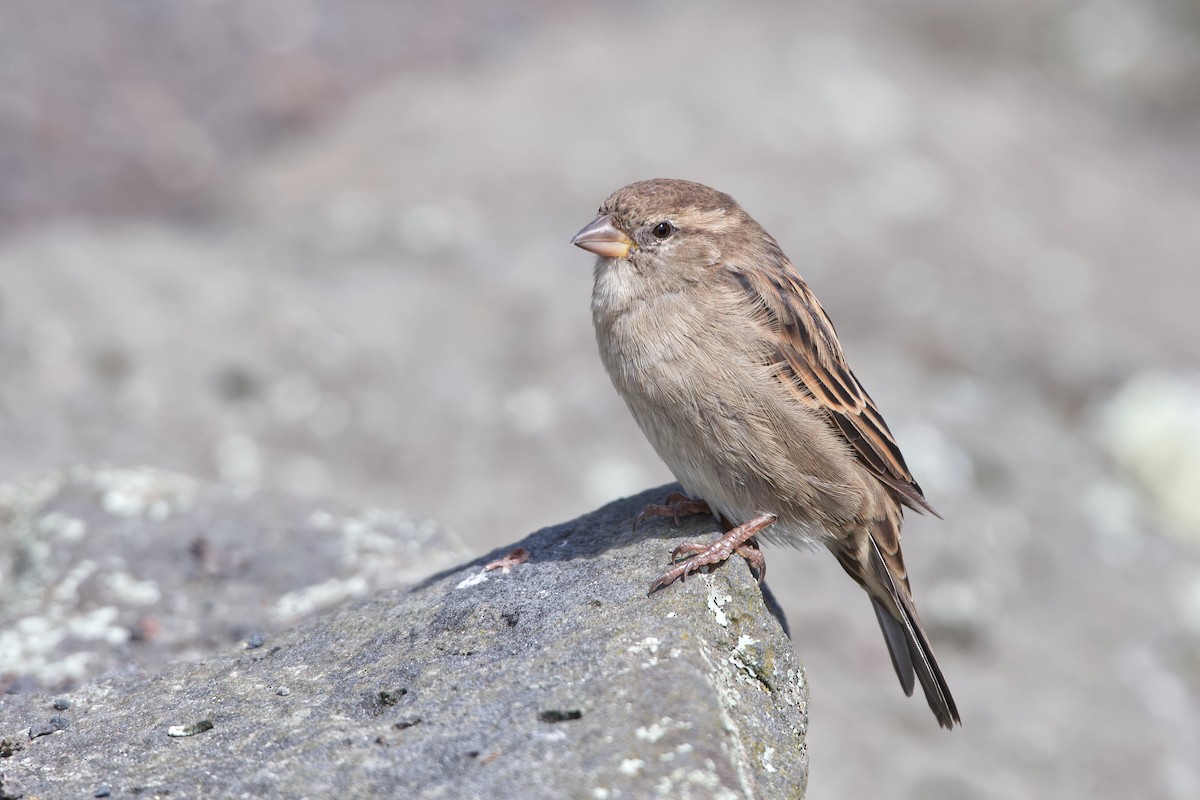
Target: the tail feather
(909, 646)
(897, 643)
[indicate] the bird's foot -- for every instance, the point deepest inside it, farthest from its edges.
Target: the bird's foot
(677, 505)
(738, 540)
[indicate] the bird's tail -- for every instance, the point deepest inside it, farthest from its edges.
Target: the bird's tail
(908, 645)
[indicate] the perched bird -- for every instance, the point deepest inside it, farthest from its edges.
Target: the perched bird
(735, 374)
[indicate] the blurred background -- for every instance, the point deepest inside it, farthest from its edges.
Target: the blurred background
(321, 247)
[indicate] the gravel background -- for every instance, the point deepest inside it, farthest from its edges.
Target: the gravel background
(321, 247)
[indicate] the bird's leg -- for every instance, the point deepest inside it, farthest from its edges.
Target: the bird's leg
(676, 505)
(748, 550)
(738, 540)
(758, 563)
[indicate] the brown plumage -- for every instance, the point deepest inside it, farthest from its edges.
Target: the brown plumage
(735, 374)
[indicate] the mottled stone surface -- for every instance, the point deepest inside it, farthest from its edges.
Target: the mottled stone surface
(105, 568)
(556, 678)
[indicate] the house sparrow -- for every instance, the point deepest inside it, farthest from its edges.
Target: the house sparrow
(735, 374)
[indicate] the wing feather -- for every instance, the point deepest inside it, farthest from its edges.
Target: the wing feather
(811, 364)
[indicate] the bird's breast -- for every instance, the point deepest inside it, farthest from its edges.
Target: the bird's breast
(663, 358)
(713, 411)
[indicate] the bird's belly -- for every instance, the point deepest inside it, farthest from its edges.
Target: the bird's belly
(722, 476)
(718, 444)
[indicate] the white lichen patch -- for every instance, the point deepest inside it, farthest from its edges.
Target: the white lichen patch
(144, 492)
(695, 782)
(652, 733)
(303, 602)
(128, 590)
(716, 604)
(472, 580)
(99, 625)
(61, 669)
(746, 658)
(27, 639)
(744, 642)
(657, 730)
(767, 760)
(61, 526)
(29, 645)
(631, 766)
(648, 645)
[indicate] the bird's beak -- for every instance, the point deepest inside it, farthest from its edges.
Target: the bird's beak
(603, 238)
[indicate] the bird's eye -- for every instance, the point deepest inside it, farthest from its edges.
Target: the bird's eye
(663, 229)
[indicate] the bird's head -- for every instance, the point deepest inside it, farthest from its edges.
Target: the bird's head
(665, 231)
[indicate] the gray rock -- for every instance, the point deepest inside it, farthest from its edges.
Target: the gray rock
(557, 677)
(104, 569)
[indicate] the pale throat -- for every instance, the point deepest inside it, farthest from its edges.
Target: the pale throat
(616, 288)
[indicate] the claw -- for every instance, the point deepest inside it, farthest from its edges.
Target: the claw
(758, 564)
(676, 505)
(738, 540)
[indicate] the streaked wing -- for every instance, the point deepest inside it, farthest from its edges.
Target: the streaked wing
(811, 364)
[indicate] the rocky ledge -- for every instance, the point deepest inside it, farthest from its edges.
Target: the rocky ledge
(551, 674)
